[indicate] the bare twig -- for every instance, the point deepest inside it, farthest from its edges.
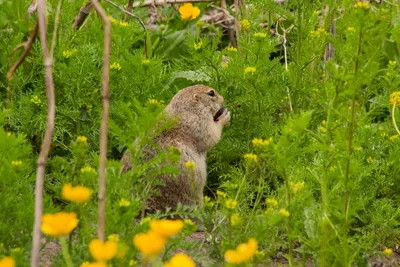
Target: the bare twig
(44, 152)
(104, 119)
(330, 49)
(129, 9)
(82, 15)
(32, 8)
(239, 15)
(165, 2)
(138, 19)
(285, 31)
(128, 13)
(231, 33)
(28, 45)
(85, 10)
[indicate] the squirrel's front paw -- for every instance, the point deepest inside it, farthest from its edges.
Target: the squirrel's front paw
(225, 117)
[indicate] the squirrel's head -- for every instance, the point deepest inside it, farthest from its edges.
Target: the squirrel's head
(197, 99)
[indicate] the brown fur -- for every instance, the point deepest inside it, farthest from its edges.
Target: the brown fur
(195, 134)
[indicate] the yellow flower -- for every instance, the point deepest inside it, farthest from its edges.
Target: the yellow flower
(392, 63)
(188, 222)
(88, 169)
(123, 23)
(124, 203)
(318, 33)
(245, 24)
(190, 165)
(232, 49)
(154, 102)
(323, 122)
(82, 139)
(16, 163)
(150, 244)
(234, 219)
(9, 134)
(166, 228)
(113, 21)
(295, 187)
(250, 70)
(94, 264)
(145, 61)
(198, 45)
(114, 238)
(260, 35)
(284, 212)
(180, 260)
(221, 193)
(231, 204)
(132, 263)
(68, 53)
(323, 129)
(77, 194)
(189, 12)
(363, 5)
(387, 252)
(59, 224)
(115, 66)
(394, 138)
(7, 262)
(260, 142)
(208, 202)
(250, 157)
(102, 251)
(242, 253)
(271, 202)
(36, 100)
(395, 98)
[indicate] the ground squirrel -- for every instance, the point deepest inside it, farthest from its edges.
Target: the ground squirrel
(201, 117)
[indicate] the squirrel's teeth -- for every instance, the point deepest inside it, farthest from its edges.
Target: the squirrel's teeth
(219, 113)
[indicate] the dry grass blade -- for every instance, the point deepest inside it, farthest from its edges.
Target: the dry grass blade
(104, 119)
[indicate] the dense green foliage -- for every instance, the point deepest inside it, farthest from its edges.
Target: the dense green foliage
(333, 161)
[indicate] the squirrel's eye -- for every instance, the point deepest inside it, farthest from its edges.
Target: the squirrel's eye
(211, 93)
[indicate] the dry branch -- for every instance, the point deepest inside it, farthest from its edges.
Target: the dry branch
(104, 119)
(330, 49)
(137, 18)
(82, 15)
(129, 9)
(44, 152)
(32, 8)
(165, 2)
(231, 33)
(28, 45)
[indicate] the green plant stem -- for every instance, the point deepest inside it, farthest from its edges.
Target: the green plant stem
(394, 119)
(65, 252)
(258, 198)
(350, 151)
(350, 137)
(289, 220)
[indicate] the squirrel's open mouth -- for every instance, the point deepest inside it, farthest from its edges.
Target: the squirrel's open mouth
(219, 113)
